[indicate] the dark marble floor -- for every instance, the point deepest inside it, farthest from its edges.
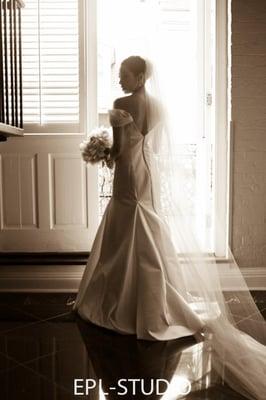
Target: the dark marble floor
(44, 347)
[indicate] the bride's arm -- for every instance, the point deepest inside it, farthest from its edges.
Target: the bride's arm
(120, 117)
(117, 147)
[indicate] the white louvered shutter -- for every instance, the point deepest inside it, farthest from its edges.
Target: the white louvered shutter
(50, 59)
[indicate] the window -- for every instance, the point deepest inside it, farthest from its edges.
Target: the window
(51, 66)
(185, 39)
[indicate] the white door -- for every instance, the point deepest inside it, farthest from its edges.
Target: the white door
(48, 195)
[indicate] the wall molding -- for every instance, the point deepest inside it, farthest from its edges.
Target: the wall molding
(43, 258)
(40, 278)
(66, 278)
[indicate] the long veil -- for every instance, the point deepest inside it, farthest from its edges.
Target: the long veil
(232, 325)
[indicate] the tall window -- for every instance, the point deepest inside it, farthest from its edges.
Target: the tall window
(51, 66)
(186, 46)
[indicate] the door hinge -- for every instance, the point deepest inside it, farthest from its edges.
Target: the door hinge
(209, 99)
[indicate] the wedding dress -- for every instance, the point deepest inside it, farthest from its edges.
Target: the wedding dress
(131, 281)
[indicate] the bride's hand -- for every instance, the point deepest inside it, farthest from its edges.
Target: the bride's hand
(109, 160)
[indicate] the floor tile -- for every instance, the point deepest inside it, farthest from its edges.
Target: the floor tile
(38, 305)
(24, 384)
(33, 340)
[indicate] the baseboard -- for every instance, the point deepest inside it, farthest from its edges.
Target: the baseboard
(43, 258)
(40, 278)
(254, 277)
(66, 278)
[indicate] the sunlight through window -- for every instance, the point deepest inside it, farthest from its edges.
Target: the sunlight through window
(178, 28)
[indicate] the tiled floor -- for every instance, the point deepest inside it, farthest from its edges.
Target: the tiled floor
(44, 347)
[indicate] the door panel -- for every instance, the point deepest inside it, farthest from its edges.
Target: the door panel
(48, 195)
(67, 186)
(19, 195)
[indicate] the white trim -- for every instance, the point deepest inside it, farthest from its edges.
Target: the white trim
(254, 277)
(40, 278)
(221, 133)
(66, 278)
(90, 61)
(91, 109)
(9, 130)
(231, 126)
(231, 188)
(205, 87)
(53, 128)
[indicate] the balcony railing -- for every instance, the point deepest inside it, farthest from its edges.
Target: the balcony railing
(11, 116)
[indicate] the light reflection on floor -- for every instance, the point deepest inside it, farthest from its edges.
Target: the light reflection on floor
(44, 347)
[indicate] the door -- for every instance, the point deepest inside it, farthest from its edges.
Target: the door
(48, 195)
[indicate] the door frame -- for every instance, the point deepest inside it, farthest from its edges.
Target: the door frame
(222, 150)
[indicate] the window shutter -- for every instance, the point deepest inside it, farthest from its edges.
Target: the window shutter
(50, 59)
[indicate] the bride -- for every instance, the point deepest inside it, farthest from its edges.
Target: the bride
(136, 281)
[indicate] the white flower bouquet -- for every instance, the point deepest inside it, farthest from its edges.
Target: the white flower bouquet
(96, 148)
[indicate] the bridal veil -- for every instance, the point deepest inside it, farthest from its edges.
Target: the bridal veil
(232, 324)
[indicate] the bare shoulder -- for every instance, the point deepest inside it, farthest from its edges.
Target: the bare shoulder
(123, 103)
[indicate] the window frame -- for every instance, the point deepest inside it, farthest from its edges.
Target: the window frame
(222, 151)
(223, 142)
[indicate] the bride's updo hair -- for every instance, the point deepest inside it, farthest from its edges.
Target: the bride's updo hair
(137, 65)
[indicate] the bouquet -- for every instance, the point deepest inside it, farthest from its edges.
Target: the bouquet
(97, 147)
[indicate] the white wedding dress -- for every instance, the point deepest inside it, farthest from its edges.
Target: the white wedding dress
(131, 282)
